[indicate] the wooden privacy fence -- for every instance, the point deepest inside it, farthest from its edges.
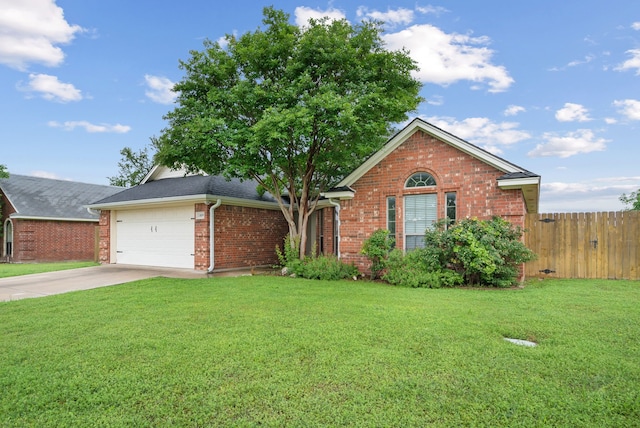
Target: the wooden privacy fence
(584, 245)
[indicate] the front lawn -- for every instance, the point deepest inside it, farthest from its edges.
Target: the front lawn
(16, 269)
(279, 352)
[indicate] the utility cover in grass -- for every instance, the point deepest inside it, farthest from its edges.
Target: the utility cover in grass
(520, 342)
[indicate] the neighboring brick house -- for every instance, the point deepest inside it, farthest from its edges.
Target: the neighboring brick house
(422, 174)
(45, 220)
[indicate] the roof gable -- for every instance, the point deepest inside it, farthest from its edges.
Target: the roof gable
(420, 125)
(45, 198)
(514, 177)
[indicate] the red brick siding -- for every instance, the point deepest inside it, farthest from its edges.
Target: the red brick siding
(244, 237)
(52, 241)
(474, 182)
(104, 247)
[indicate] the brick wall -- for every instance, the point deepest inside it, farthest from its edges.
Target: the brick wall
(474, 182)
(244, 237)
(104, 246)
(52, 241)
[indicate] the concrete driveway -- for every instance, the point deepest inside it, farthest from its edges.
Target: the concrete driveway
(46, 284)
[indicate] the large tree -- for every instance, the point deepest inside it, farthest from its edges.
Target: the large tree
(295, 108)
(3, 172)
(133, 166)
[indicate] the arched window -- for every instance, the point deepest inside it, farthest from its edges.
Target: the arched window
(420, 179)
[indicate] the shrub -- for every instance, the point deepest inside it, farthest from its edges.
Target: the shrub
(377, 248)
(484, 252)
(415, 270)
(325, 268)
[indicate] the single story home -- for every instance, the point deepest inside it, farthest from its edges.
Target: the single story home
(46, 220)
(207, 223)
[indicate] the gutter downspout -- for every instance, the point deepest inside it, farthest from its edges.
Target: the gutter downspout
(337, 208)
(93, 212)
(212, 261)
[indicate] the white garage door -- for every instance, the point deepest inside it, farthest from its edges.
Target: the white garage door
(156, 237)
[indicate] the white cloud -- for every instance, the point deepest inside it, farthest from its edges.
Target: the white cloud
(31, 32)
(570, 144)
(587, 59)
(632, 63)
(90, 127)
(434, 10)
(50, 88)
(600, 194)
(160, 89)
(390, 17)
(482, 132)
(513, 110)
(573, 113)
(303, 14)
(46, 174)
(448, 58)
(629, 108)
(610, 120)
(636, 25)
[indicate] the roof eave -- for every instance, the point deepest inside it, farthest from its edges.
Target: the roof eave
(180, 200)
(41, 218)
(530, 188)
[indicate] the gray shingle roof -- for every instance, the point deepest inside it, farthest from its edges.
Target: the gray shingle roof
(189, 186)
(48, 198)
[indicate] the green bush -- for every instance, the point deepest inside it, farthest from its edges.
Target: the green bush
(483, 252)
(415, 270)
(324, 268)
(377, 248)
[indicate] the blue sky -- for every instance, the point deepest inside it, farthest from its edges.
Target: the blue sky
(552, 86)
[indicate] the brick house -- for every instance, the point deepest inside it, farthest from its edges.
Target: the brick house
(420, 175)
(45, 220)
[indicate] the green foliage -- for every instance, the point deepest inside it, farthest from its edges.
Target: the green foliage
(294, 108)
(313, 267)
(377, 248)
(632, 200)
(289, 255)
(326, 268)
(133, 167)
(484, 252)
(413, 270)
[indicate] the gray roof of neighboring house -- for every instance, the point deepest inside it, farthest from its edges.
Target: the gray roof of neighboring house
(36, 197)
(190, 186)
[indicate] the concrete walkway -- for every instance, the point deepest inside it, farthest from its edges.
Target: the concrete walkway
(46, 284)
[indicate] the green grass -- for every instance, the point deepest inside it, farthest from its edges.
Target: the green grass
(16, 269)
(274, 351)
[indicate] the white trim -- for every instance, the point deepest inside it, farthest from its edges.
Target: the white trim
(341, 194)
(420, 125)
(517, 183)
(175, 200)
(32, 217)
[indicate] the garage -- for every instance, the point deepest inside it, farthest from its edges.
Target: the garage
(162, 236)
